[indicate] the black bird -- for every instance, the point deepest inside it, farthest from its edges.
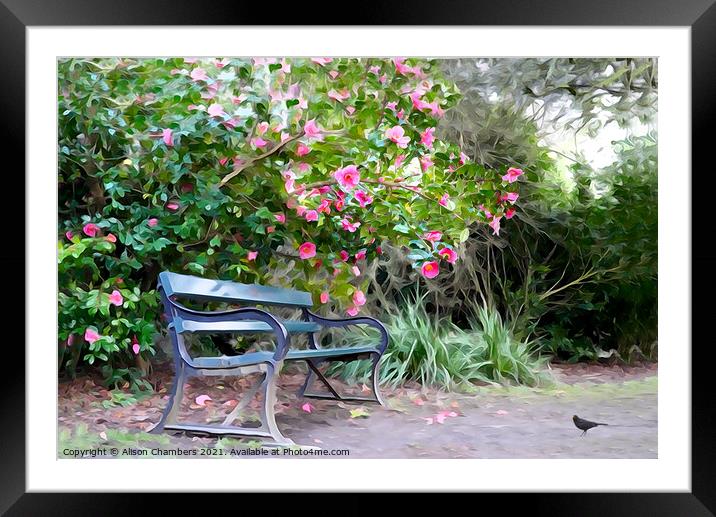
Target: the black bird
(584, 425)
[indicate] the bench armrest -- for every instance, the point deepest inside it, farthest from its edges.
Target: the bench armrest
(242, 313)
(345, 322)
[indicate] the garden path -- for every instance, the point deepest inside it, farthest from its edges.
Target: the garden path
(491, 422)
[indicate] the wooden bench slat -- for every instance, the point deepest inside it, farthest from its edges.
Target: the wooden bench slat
(209, 290)
(309, 353)
(293, 327)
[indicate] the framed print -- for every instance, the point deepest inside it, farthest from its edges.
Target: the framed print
(422, 255)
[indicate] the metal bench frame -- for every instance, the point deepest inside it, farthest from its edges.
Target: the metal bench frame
(182, 320)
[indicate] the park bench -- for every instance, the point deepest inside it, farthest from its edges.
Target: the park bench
(251, 319)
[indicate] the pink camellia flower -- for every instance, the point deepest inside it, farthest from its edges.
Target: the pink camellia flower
(91, 335)
(90, 229)
(300, 210)
(221, 63)
(350, 110)
(307, 250)
(444, 200)
(344, 255)
(510, 212)
(167, 137)
(418, 103)
(400, 115)
(289, 184)
(311, 215)
(325, 206)
(172, 206)
(349, 226)
(396, 134)
(379, 250)
(262, 128)
(70, 339)
(392, 106)
(323, 61)
(338, 96)
(324, 297)
(347, 177)
(401, 67)
(69, 235)
(116, 298)
(216, 110)
(251, 255)
(311, 130)
(153, 222)
(433, 236)
(495, 225)
(435, 109)
(363, 198)
(302, 149)
(427, 137)
(280, 218)
(198, 74)
(399, 160)
(270, 229)
(430, 269)
(258, 142)
(356, 270)
(426, 162)
(463, 158)
(448, 254)
(360, 255)
(261, 61)
(375, 69)
(359, 298)
(231, 123)
(222, 161)
(353, 311)
(511, 196)
(512, 175)
(110, 238)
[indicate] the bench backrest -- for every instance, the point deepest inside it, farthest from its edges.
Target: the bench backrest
(208, 290)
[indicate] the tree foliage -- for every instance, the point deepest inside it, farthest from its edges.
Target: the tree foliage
(239, 169)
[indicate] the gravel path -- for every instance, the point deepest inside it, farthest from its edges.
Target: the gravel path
(491, 422)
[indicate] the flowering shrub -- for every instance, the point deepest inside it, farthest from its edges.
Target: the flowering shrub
(237, 168)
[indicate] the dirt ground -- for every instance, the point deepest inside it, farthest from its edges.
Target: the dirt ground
(487, 422)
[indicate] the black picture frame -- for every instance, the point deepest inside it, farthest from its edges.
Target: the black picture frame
(700, 15)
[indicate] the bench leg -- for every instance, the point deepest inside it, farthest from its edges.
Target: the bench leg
(315, 372)
(268, 428)
(374, 380)
(268, 414)
(172, 408)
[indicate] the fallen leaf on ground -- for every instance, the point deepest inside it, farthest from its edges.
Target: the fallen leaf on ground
(230, 403)
(454, 404)
(316, 440)
(501, 412)
(359, 412)
(307, 407)
(418, 402)
(201, 400)
(365, 389)
(429, 420)
(103, 435)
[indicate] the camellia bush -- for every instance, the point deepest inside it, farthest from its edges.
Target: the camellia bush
(237, 169)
